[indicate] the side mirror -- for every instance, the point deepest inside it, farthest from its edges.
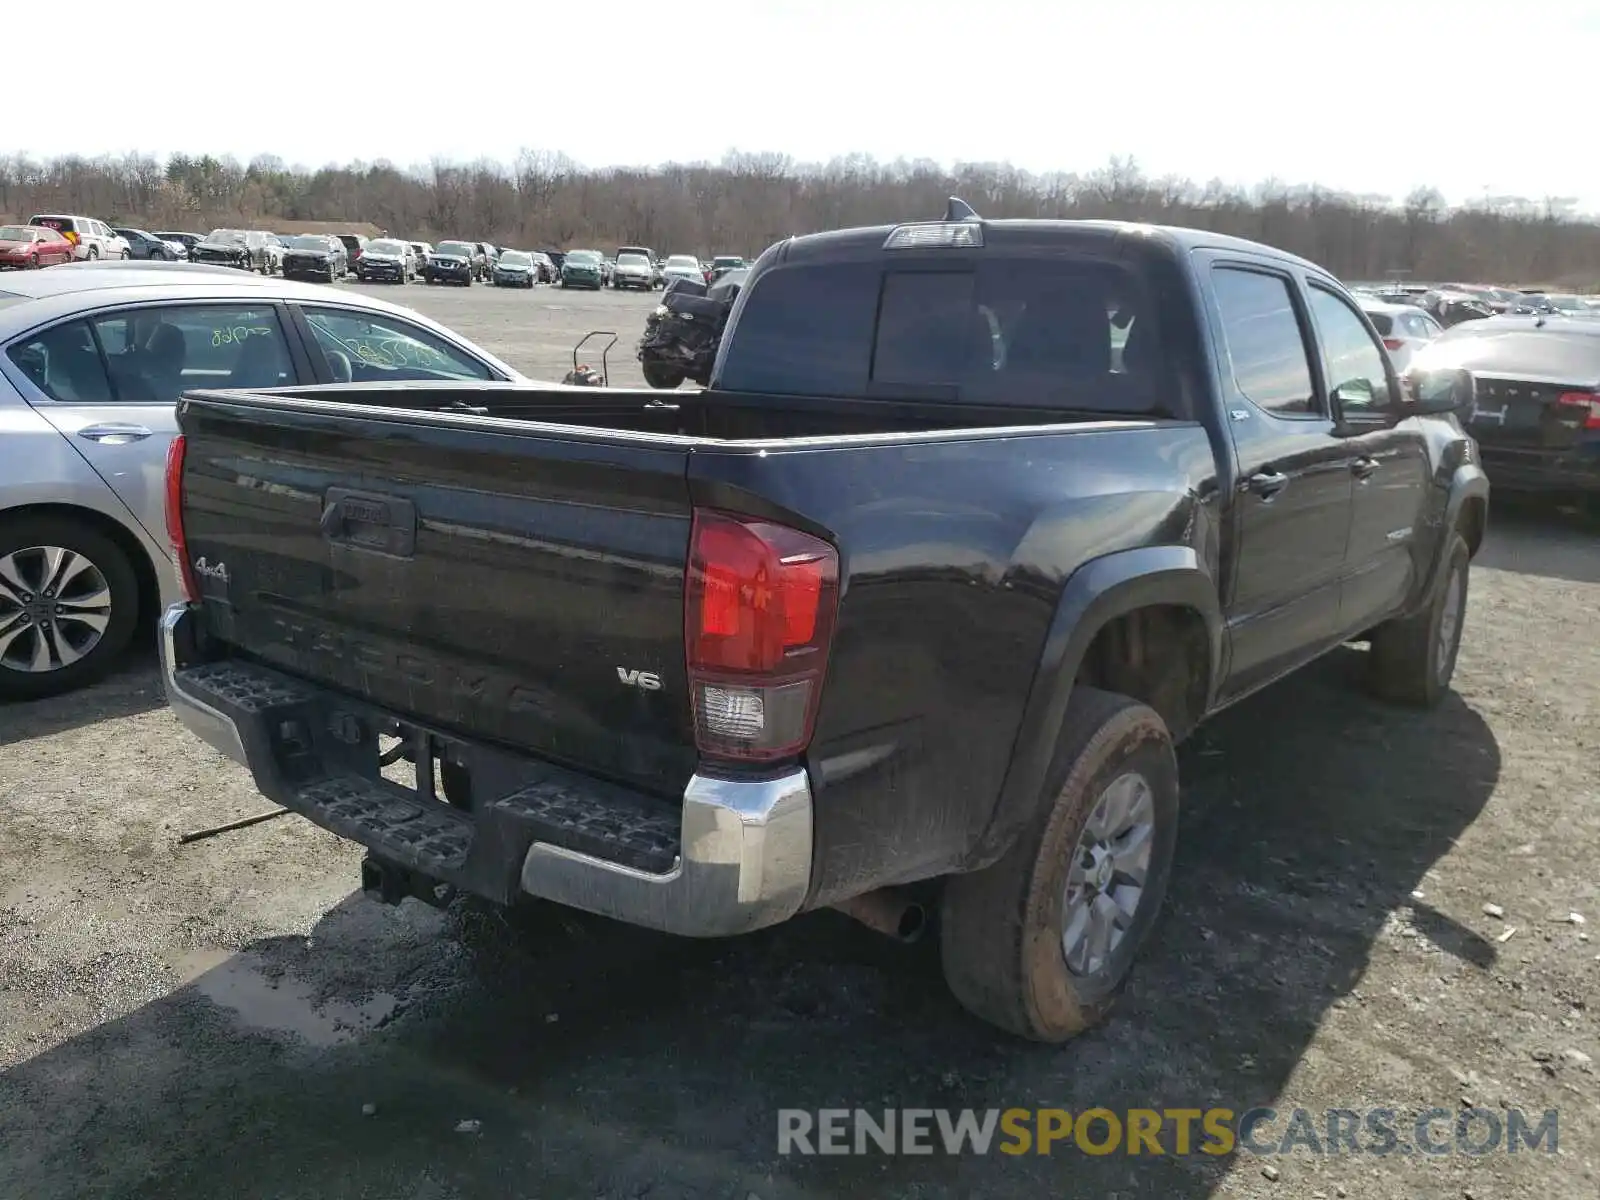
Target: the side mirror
(1447, 391)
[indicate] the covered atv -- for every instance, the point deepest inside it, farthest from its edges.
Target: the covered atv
(681, 336)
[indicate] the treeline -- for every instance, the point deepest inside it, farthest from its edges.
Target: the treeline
(748, 201)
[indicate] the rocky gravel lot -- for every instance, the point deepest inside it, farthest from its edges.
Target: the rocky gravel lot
(1372, 908)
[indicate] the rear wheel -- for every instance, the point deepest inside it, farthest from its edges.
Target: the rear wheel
(1041, 942)
(1413, 660)
(69, 604)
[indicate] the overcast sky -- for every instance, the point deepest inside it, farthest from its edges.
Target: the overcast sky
(1467, 96)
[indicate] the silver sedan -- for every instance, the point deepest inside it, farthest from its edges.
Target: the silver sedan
(93, 357)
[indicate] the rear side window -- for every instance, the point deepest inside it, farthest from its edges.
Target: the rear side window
(1264, 342)
(64, 363)
(155, 354)
(1070, 333)
(1382, 322)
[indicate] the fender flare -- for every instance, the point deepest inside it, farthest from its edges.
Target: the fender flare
(1469, 483)
(1096, 593)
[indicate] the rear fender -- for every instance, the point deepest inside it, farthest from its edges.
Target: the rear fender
(1098, 592)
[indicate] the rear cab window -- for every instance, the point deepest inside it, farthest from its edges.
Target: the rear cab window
(1058, 331)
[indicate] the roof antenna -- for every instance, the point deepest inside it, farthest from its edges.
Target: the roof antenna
(959, 210)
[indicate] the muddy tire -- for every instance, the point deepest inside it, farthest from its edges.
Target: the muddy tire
(1040, 943)
(74, 612)
(1413, 660)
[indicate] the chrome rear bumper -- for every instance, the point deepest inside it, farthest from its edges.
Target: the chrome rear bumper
(744, 846)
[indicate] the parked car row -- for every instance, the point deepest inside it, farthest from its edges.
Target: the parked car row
(332, 257)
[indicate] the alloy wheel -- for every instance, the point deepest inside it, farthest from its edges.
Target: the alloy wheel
(55, 605)
(1106, 880)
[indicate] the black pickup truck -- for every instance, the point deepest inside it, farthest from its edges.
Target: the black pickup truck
(975, 521)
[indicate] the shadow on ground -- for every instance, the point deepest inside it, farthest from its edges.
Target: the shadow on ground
(1533, 536)
(134, 688)
(602, 1061)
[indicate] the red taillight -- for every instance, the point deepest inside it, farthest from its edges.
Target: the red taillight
(180, 546)
(1589, 401)
(1394, 343)
(759, 605)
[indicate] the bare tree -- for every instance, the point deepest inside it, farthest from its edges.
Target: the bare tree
(747, 200)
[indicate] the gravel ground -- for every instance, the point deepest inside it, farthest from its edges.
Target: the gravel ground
(232, 1018)
(535, 330)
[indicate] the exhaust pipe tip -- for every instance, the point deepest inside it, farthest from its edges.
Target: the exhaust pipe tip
(889, 912)
(913, 924)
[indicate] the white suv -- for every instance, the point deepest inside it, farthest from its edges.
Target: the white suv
(90, 238)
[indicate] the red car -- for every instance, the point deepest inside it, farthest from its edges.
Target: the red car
(32, 246)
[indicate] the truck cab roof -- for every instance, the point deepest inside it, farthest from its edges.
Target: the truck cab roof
(1034, 236)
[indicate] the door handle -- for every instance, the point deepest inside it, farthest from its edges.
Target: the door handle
(114, 434)
(1268, 484)
(1362, 468)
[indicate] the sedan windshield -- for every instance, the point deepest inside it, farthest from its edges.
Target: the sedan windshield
(309, 241)
(227, 237)
(684, 260)
(453, 248)
(516, 258)
(583, 258)
(386, 246)
(16, 233)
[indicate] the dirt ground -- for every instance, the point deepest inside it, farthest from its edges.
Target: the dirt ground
(232, 1018)
(535, 330)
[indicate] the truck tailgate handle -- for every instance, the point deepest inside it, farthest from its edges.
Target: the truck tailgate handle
(365, 521)
(1268, 484)
(1362, 468)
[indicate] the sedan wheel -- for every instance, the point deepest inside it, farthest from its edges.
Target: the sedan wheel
(68, 606)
